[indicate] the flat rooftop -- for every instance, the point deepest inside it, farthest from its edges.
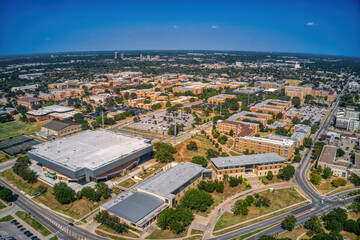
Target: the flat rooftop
(247, 159)
(89, 149)
(284, 142)
(134, 206)
(166, 182)
(50, 109)
(328, 154)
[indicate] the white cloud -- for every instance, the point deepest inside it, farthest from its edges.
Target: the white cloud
(47, 39)
(310, 24)
(214, 27)
(175, 26)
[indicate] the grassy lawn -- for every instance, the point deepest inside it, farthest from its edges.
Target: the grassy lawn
(116, 190)
(109, 230)
(294, 233)
(128, 183)
(4, 157)
(203, 144)
(33, 223)
(2, 205)
(54, 238)
(15, 128)
(280, 199)
(194, 231)
(230, 143)
(220, 197)
(166, 234)
(253, 233)
(325, 186)
(234, 153)
(193, 238)
(76, 209)
(109, 236)
(6, 218)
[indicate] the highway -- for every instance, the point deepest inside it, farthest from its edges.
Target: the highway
(303, 213)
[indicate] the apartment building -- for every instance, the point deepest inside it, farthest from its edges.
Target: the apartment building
(271, 85)
(259, 164)
(301, 92)
(348, 119)
(274, 106)
(285, 148)
(240, 129)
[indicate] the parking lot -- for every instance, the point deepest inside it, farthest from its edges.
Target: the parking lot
(8, 230)
(123, 108)
(314, 114)
(160, 122)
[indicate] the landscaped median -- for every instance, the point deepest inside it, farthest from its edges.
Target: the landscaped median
(281, 201)
(33, 223)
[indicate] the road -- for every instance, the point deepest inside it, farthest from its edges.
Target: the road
(60, 227)
(303, 213)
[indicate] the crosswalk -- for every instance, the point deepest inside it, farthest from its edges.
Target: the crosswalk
(66, 229)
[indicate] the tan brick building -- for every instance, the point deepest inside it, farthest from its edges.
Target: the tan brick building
(259, 164)
(285, 148)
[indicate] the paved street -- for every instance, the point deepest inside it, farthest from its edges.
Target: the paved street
(303, 213)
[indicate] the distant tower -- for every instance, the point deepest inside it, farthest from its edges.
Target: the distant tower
(297, 65)
(122, 56)
(141, 57)
(115, 56)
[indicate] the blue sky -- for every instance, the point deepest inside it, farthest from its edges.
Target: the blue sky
(307, 26)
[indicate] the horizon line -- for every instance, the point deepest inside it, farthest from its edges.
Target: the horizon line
(183, 50)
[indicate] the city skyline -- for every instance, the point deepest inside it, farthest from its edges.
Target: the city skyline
(320, 27)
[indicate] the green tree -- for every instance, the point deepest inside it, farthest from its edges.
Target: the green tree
(63, 193)
(270, 175)
(103, 189)
(327, 173)
(340, 152)
(197, 199)
(90, 194)
(210, 153)
(262, 201)
(200, 160)
(315, 178)
(281, 131)
(289, 222)
(5, 194)
(240, 208)
(296, 101)
(307, 142)
(279, 115)
(287, 172)
(313, 226)
(163, 156)
(192, 146)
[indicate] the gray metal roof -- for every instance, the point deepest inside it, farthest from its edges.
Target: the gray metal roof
(246, 159)
(134, 207)
(167, 182)
(58, 125)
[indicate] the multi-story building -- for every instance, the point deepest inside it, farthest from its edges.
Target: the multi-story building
(285, 148)
(220, 98)
(240, 129)
(272, 85)
(29, 101)
(251, 116)
(340, 167)
(301, 92)
(274, 106)
(140, 207)
(259, 164)
(348, 119)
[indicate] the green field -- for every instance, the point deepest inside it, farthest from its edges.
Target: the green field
(15, 128)
(280, 199)
(6, 218)
(33, 223)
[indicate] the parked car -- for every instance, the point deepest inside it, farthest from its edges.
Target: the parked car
(20, 226)
(22, 229)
